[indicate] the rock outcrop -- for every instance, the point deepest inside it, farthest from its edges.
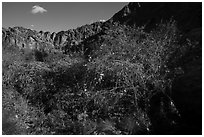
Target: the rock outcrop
(65, 39)
(187, 15)
(26, 38)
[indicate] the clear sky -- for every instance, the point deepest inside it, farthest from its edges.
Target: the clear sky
(56, 16)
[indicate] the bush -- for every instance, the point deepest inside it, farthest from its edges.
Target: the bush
(111, 93)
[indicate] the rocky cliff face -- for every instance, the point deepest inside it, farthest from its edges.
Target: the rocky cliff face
(187, 15)
(23, 37)
(72, 37)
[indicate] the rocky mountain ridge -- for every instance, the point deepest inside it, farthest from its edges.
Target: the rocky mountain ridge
(187, 16)
(22, 37)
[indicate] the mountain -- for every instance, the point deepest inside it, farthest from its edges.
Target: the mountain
(188, 15)
(25, 38)
(41, 43)
(21, 37)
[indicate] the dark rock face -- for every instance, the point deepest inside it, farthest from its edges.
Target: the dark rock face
(187, 15)
(58, 38)
(62, 40)
(53, 36)
(24, 38)
(72, 37)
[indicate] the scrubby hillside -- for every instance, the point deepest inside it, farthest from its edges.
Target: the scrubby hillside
(112, 77)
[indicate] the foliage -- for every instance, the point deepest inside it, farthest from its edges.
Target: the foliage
(110, 93)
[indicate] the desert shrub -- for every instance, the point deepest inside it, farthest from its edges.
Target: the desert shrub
(53, 56)
(10, 54)
(128, 69)
(45, 87)
(31, 80)
(156, 51)
(22, 118)
(115, 89)
(110, 93)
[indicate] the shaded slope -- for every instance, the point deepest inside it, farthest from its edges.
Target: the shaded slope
(187, 14)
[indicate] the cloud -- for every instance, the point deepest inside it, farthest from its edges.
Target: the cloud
(37, 9)
(32, 25)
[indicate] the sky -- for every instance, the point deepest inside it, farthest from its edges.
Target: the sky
(56, 16)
